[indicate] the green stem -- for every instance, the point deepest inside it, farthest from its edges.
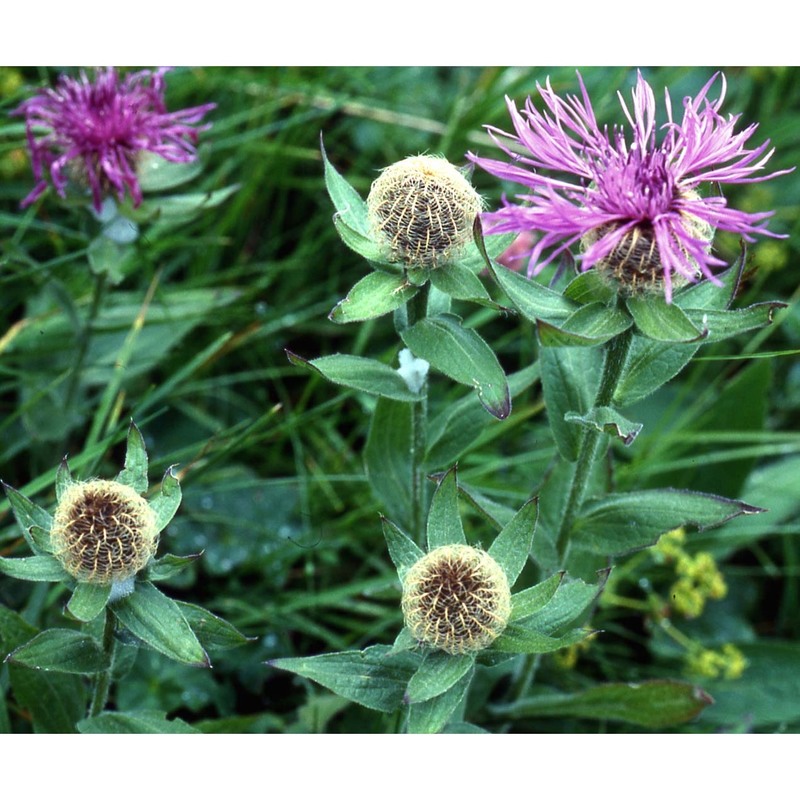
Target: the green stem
(616, 356)
(101, 687)
(416, 310)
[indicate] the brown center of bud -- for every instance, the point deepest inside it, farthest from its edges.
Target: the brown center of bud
(423, 208)
(456, 599)
(103, 532)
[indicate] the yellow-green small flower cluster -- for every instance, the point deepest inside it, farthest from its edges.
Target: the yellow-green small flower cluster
(728, 662)
(699, 578)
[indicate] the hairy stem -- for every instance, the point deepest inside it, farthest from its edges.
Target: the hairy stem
(616, 356)
(103, 683)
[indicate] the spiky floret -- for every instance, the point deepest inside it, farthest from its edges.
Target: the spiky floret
(457, 599)
(103, 532)
(423, 209)
(608, 187)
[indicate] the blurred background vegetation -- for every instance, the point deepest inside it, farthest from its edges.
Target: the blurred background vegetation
(270, 457)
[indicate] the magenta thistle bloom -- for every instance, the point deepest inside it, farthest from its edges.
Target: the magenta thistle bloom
(633, 203)
(95, 130)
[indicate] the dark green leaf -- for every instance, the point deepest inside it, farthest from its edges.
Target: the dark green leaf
(570, 376)
(359, 242)
(213, 632)
(135, 472)
(364, 374)
(531, 600)
(134, 722)
(61, 650)
(88, 600)
(664, 322)
(169, 565)
(444, 521)
(724, 324)
(158, 621)
(607, 420)
(590, 287)
(571, 599)
(387, 457)
(619, 523)
(459, 282)
(463, 356)
(532, 300)
(349, 205)
(166, 502)
(34, 568)
(375, 677)
(512, 546)
(518, 639)
(432, 715)
(63, 478)
(27, 514)
(56, 701)
(374, 295)
(589, 326)
(651, 704)
(436, 674)
(402, 550)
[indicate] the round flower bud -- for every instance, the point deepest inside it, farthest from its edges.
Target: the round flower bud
(423, 209)
(103, 532)
(635, 263)
(457, 599)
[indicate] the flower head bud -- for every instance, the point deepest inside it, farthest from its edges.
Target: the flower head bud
(423, 208)
(635, 262)
(103, 532)
(457, 599)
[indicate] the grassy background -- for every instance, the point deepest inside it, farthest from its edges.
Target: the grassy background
(271, 457)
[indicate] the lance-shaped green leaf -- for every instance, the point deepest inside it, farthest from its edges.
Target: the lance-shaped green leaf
(348, 202)
(513, 544)
(649, 366)
(158, 621)
(431, 716)
(530, 298)
(213, 632)
(444, 521)
(403, 551)
(590, 287)
(134, 722)
(169, 565)
(156, 174)
(463, 356)
(459, 282)
(27, 514)
(531, 600)
(651, 704)
(518, 639)
(356, 372)
(569, 602)
(360, 242)
(373, 296)
(41, 540)
(570, 376)
(34, 568)
(436, 674)
(56, 701)
(375, 677)
(88, 600)
(664, 322)
(60, 650)
(481, 250)
(387, 457)
(589, 326)
(607, 420)
(63, 478)
(135, 472)
(166, 502)
(724, 324)
(719, 295)
(619, 523)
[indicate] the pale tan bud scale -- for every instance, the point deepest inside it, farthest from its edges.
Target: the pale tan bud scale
(103, 532)
(457, 599)
(423, 209)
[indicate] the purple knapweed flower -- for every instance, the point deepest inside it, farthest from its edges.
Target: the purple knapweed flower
(94, 132)
(633, 203)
